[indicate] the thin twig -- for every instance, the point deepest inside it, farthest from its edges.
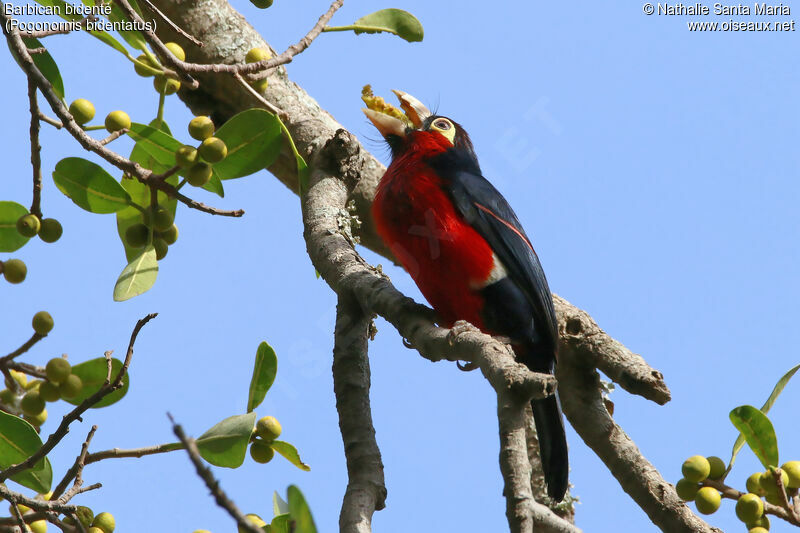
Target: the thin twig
(115, 453)
(43, 506)
(77, 467)
(734, 494)
(76, 413)
(22, 349)
(17, 515)
(213, 485)
(53, 122)
(114, 136)
(269, 105)
(160, 48)
(36, 149)
(89, 143)
(261, 67)
(26, 368)
(164, 175)
(171, 24)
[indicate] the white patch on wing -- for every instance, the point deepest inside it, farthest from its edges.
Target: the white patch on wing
(498, 272)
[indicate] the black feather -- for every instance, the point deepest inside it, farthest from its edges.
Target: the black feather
(512, 301)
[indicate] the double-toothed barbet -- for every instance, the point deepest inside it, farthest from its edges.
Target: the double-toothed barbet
(460, 240)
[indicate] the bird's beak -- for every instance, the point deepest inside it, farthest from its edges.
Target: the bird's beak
(386, 124)
(391, 125)
(413, 108)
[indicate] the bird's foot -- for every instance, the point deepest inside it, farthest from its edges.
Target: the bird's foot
(460, 327)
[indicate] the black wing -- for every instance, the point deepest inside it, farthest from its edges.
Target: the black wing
(485, 209)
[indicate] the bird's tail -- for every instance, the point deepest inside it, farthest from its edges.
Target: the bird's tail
(552, 445)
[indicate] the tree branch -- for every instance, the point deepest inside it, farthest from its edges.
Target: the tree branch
(330, 248)
(366, 490)
(36, 149)
(22, 349)
(583, 405)
(87, 142)
(524, 514)
(213, 485)
(63, 428)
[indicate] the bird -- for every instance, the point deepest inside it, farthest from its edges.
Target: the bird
(465, 248)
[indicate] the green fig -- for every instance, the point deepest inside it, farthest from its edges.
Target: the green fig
(176, 50)
(199, 174)
(749, 508)
(261, 451)
(268, 428)
(51, 230)
(201, 128)
(696, 468)
(213, 150)
(117, 120)
(28, 225)
(58, 370)
(82, 110)
(707, 500)
(42, 323)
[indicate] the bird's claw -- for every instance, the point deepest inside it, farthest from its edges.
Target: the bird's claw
(466, 366)
(459, 328)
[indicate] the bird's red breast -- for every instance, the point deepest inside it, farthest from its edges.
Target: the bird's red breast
(447, 258)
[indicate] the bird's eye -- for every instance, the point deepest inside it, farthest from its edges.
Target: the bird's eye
(442, 124)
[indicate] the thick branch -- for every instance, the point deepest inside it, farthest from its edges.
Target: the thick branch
(584, 407)
(366, 491)
(310, 127)
(327, 239)
(523, 512)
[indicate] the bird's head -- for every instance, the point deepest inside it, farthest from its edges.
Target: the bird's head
(415, 124)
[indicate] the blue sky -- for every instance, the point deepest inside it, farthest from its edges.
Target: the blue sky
(655, 169)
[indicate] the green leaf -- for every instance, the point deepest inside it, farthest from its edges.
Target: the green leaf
(776, 391)
(279, 506)
(93, 374)
(264, 372)
(758, 432)
(10, 239)
(157, 149)
(290, 453)
(132, 37)
(303, 173)
(396, 21)
(157, 144)
(46, 65)
(140, 193)
(299, 511)
(215, 184)
(280, 524)
(138, 277)
(225, 444)
(18, 441)
(253, 138)
(60, 9)
(89, 186)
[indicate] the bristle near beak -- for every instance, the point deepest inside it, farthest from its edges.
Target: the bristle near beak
(415, 110)
(386, 124)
